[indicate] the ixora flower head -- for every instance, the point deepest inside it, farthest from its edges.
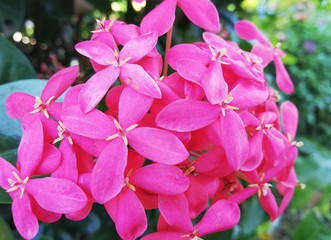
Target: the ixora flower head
(198, 142)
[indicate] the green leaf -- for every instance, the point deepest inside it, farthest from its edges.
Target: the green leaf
(252, 216)
(5, 232)
(4, 199)
(314, 165)
(11, 16)
(10, 129)
(311, 228)
(13, 64)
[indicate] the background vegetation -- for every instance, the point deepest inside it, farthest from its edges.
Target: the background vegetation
(37, 38)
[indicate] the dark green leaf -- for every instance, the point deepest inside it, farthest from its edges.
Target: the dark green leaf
(11, 16)
(13, 64)
(5, 232)
(4, 199)
(59, 9)
(252, 216)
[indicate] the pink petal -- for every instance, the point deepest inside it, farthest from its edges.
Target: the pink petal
(160, 178)
(6, 170)
(221, 216)
(157, 145)
(112, 98)
(25, 221)
(197, 197)
(82, 214)
(71, 96)
(68, 168)
(94, 124)
(124, 32)
(109, 171)
(56, 194)
(243, 195)
(59, 82)
(97, 51)
(132, 107)
(187, 51)
(190, 69)
(247, 94)
(264, 52)
(269, 204)
(138, 47)
(50, 161)
(234, 139)
(138, 79)
(175, 210)
(273, 146)
(285, 201)
(30, 149)
(96, 88)
(213, 83)
(160, 19)
(152, 65)
(283, 79)
(128, 214)
(289, 117)
(42, 214)
(19, 104)
(248, 31)
(187, 115)
(202, 13)
(193, 91)
(213, 163)
(255, 154)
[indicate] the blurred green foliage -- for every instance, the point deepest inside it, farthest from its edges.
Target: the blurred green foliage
(46, 32)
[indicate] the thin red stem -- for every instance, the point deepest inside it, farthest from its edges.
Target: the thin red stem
(168, 45)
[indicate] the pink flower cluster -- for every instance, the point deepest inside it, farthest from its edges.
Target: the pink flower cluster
(199, 141)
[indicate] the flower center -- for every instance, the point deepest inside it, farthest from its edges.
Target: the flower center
(17, 184)
(62, 132)
(226, 104)
(127, 181)
(192, 236)
(218, 54)
(41, 106)
(121, 132)
(264, 126)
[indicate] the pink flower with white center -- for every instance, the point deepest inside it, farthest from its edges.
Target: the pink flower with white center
(113, 32)
(53, 195)
(187, 115)
(19, 104)
(117, 64)
(155, 144)
(264, 49)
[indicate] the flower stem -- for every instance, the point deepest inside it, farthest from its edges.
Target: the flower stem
(168, 45)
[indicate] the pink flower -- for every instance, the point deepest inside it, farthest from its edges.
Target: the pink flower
(267, 52)
(33, 197)
(117, 64)
(152, 143)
